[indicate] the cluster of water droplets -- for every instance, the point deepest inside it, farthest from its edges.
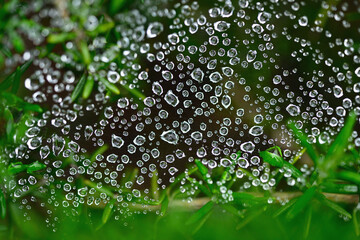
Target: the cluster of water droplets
(198, 81)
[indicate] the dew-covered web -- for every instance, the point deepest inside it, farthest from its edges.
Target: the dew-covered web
(193, 80)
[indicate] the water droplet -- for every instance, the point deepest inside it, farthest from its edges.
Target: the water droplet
(116, 141)
(170, 136)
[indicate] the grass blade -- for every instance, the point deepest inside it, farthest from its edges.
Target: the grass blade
(79, 87)
(111, 87)
(301, 202)
(35, 166)
(60, 37)
(14, 78)
(355, 221)
(2, 204)
(284, 207)
(305, 143)
(321, 197)
(88, 87)
(164, 205)
(107, 211)
(202, 169)
(349, 176)
(201, 213)
(272, 158)
(338, 147)
(308, 222)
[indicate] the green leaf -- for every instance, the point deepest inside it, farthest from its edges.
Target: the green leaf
(85, 53)
(78, 88)
(17, 78)
(321, 197)
(110, 86)
(60, 37)
(337, 149)
(272, 158)
(349, 176)
(9, 124)
(116, 5)
(301, 202)
(243, 197)
(305, 143)
(31, 107)
(331, 187)
(285, 207)
(164, 205)
(16, 168)
(276, 160)
(17, 42)
(14, 77)
(202, 169)
(355, 221)
(2, 204)
(108, 211)
(35, 166)
(88, 87)
(308, 222)
(155, 186)
(201, 213)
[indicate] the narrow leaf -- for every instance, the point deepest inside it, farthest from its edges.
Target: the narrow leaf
(108, 211)
(60, 37)
(272, 158)
(164, 204)
(301, 202)
(78, 88)
(334, 206)
(201, 213)
(305, 143)
(110, 86)
(338, 147)
(88, 87)
(2, 204)
(202, 169)
(285, 207)
(35, 166)
(16, 168)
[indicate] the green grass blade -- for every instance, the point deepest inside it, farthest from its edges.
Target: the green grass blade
(35, 166)
(321, 197)
(88, 87)
(108, 211)
(305, 143)
(2, 204)
(356, 222)
(17, 78)
(285, 207)
(85, 53)
(202, 169)
(331, 187)
(301, 203)
(60, 37)
(338, 147)
(16, 168)
(79, 87)
(308, 222)
(111, 87)
(155, 186)
(164, 205)
(349, 176)
(272, 158)
(14, 78)
(243, 197)
(201, 213)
